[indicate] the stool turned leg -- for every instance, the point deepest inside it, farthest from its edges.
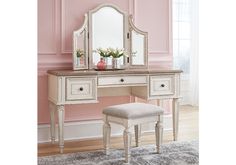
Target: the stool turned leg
(159, 133)
(127, 144)
(137, 130)
(106, 136)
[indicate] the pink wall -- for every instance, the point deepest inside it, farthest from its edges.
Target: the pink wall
(57, 19)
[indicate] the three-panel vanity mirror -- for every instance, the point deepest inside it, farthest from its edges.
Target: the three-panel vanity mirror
(107, 29)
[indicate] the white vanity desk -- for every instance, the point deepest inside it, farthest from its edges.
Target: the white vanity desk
(78, 87)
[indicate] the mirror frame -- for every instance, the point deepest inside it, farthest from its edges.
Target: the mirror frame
(145, 53)
(84, 27)
(127, 40)
(125, 31)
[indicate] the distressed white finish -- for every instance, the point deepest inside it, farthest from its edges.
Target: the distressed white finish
(137, 132)
(81, 88)
(61, 115)
(161, 85)
(138, 42)
(83, 33)
(159, 132)
(64, 88)
(52, 121)
(127, 143)
(106, 136)
(120, 33)
(128, 124)
(122, 80)
(175, 114)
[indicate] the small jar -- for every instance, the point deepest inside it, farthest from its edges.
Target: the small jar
(101, 65)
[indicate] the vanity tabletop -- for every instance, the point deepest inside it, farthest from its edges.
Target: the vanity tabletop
(112, 72)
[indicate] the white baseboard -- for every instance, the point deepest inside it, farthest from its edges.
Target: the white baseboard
(93, 129)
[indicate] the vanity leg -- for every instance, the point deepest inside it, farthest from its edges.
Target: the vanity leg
(52, 121)
(61, 114)
(137, 131)
(175, 117)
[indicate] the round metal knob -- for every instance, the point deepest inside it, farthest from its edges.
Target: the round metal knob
(81, 88)
(162, 85)
(122, 80)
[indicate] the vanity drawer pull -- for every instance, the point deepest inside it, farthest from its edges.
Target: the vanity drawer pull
(162, 85)
(80, 89)
(122, 80)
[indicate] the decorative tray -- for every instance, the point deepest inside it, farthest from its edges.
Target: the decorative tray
(108, 69)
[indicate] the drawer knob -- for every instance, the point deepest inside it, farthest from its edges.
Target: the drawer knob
(122, 80)
(81, 88)
(162, 85)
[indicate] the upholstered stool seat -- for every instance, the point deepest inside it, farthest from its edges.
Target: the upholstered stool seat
(128, 115)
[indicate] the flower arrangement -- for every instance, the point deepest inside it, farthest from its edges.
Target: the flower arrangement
(103, 52)
(110, 52)
(79, 53)
(116, 53)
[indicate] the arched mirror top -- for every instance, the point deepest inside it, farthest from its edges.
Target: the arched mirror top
(133, 27)
(107, 5)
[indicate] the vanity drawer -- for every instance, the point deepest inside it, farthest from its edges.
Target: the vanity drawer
(81, 88)
(122, 80)
(162, 85)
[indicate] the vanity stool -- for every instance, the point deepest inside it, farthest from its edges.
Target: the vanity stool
(128, 115)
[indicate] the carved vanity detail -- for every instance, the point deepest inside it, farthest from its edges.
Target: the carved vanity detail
(84, 84)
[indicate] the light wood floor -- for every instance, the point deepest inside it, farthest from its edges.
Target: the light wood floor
(188, 130)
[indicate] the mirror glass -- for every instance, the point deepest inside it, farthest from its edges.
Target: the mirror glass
(107, 32)
(80, 49)
(137, 47)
